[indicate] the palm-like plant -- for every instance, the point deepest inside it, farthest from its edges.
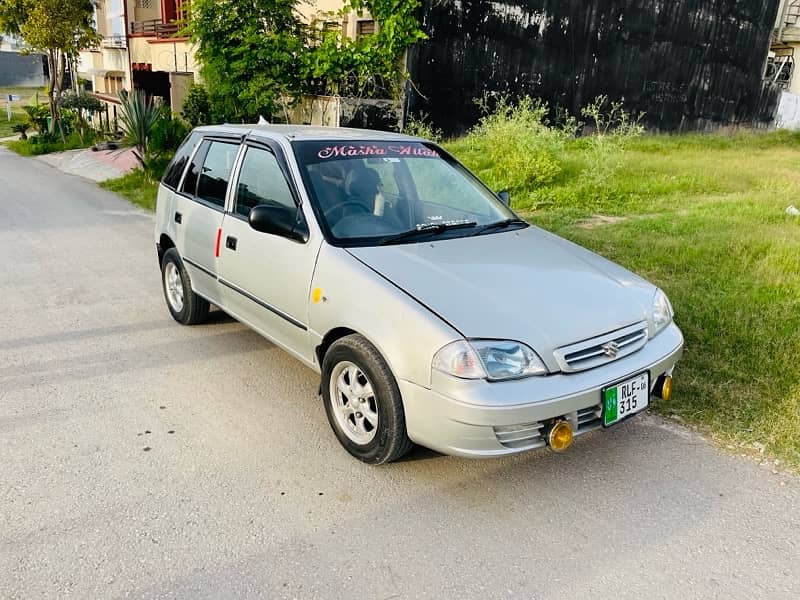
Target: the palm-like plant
(138, 115)
(21, 129)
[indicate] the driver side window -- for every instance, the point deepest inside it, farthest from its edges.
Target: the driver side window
(261, 181)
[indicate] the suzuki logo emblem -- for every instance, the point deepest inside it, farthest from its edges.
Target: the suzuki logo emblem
(611, 349)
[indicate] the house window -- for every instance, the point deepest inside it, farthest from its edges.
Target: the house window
(331, 26)
(113, 84)
(365, 28)
(144, 3)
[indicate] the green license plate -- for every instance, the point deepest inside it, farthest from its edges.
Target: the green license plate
(626, 398)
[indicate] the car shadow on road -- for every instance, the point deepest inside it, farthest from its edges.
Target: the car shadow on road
(83, 334)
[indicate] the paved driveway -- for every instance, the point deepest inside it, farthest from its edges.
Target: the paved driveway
(143, 459)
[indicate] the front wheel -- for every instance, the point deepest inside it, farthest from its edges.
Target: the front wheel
(362, 401)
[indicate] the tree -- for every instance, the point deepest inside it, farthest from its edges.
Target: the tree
(196, 107)
(258, 56)
(59, 29)
(370, 64)
(252, 55)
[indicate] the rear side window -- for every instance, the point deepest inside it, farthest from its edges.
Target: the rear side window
(192, 175)
(172, 175)
(216, 172)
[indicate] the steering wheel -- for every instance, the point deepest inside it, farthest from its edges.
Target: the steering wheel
(346, 203)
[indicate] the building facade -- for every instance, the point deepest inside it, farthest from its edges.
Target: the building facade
(785, 47)
(141, 49)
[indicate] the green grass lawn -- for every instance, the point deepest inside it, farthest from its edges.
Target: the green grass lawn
(27, 96)
(137, 187)
(702, 216)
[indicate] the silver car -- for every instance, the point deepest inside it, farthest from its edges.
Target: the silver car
(433, 313)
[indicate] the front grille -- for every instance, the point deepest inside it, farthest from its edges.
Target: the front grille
(603, 349)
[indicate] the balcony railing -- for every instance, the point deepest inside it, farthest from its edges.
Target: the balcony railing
(154, 27)
(114, 41)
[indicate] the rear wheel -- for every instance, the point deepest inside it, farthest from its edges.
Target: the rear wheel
(362, 401)
(184, 305)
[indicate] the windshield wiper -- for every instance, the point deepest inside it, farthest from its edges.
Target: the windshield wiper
(424, 230)
(499, 225)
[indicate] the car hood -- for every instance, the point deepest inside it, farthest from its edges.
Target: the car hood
(526, 285)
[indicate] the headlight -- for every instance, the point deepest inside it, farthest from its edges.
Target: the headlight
(662, 311)
(488, 359)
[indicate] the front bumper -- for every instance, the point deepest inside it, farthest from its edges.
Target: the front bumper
(482, 419)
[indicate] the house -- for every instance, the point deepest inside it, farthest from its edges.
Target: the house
(141, 49)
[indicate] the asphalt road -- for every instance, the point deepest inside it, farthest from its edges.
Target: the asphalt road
(142, 459)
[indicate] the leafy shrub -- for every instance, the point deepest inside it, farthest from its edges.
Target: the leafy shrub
(196, 107)
(422, 128)
(521, 148)
(155, 165)
(610, 120)
(167, 133)
(21, 129)
(37, 115)
(544, 162)
(80, 101)
(45, 143)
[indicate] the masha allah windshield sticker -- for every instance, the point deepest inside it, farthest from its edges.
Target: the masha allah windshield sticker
(349, 150)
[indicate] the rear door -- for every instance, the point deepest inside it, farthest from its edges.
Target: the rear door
(199, 209)
(266, 278)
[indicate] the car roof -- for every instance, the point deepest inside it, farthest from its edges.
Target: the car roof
(307, 133)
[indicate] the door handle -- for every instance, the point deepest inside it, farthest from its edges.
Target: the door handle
(178, 218)
(230, 243)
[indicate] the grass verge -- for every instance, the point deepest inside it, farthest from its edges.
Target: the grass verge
(27, 95)
(137, 187)
(34, 146)
(702, 216)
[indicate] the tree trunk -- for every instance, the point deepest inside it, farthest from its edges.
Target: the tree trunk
(62, 63)
(51, 84)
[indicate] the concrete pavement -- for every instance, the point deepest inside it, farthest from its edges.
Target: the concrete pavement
(142, 459)
(97, 166)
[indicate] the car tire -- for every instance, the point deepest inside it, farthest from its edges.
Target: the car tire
(184, 305)
(363, 402)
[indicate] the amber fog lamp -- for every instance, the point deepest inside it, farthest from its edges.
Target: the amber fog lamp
(560, 436)
(664, 387)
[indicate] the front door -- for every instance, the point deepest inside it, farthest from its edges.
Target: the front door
(265, 279)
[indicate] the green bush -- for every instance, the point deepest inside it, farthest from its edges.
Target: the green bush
(80, 101)
(37, 115)
(543, 162)
(521, 149)
(422, 128)
(196, 107)
(46, 143)
(167, 133)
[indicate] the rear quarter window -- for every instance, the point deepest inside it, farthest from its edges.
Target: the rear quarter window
(174, 171)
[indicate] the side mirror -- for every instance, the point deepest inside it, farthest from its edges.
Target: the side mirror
(279, 220)
(505, 197)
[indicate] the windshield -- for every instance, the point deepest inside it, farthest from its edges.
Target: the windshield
(394, 192)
